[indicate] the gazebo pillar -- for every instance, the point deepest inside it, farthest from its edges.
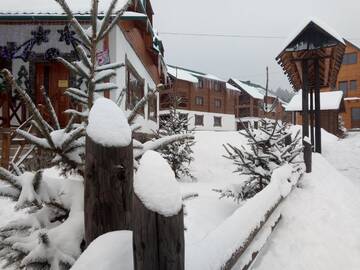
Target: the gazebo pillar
(317, 108)
(305, 111)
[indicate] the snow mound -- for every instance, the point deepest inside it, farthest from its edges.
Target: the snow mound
(156, 186)
(108, 124)
(220, 244)
(108, 252)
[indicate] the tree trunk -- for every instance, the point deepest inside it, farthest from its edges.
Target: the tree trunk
(108, 189)
(158, 241)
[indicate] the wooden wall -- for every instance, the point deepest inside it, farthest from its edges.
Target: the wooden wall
(189, 91)
(329, 121)
(352, 97)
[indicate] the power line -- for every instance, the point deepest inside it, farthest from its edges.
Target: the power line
(230, 35)
(221, 35)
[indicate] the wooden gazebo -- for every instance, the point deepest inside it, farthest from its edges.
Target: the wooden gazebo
(311, 60)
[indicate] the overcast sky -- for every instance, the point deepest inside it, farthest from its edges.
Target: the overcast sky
(243, 58)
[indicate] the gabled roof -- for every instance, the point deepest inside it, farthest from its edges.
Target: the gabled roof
(314, 40)
(328, 101)
(188, 73)
(181, 74)
(231, 87)
(255, 91)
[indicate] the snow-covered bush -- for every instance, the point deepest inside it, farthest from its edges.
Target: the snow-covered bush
(51, 234)
(266, 150)
(178, 154)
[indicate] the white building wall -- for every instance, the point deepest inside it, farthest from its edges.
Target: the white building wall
(227, 120)
(120, 50)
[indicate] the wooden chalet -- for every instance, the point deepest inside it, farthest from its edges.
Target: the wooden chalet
(250, 100)
(207, 100)
(32, 39)
(348, 81)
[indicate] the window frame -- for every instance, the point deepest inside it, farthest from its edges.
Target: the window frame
(219, 105)
(350, 85)
(199, 98)
(130, 103)
(344, 83)
(346, 58)
(196, 118)
(220, 121)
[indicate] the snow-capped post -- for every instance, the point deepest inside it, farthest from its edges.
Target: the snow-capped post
(158, 219)
(108, 171)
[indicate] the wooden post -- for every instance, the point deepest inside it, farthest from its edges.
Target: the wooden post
(312, 117)
(158, 240)
(317, 108)
(305, 107)
(6, 142)
(108, 189)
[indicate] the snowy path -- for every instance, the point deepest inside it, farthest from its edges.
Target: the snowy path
(320, 226)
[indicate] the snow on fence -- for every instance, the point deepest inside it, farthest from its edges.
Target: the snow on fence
(109, 171)
(226, 245)
(158, 219)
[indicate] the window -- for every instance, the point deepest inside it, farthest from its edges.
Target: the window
(199, 120)
(355, 114)
(135, 88)
(350, 59)
(217, 121)
(217, 103)
(152, 108)
(217, 86)
(199, 101)
(353, 85)
(201, 83)
(343, 86)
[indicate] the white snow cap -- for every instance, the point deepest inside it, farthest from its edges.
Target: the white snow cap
(109, 251)
(156, 186)
(108, 124)
(182, 74)
(328, 101)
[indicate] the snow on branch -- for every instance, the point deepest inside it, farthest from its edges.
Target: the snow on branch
(161, 143)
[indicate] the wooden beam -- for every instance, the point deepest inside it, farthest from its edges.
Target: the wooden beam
(317, 110)
(305, 109)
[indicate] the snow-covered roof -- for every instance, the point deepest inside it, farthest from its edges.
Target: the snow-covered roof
(187, 75)
(231, 87)
(181, 74)
(255, 92)
(328, 101)
(319, 23)
(46, 7)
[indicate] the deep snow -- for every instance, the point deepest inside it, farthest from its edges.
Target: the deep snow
(320, 225)
(320, 219)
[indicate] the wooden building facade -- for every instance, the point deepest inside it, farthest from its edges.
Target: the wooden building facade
(348, 81)
(207, 100)
(30, 43)
(251, 100)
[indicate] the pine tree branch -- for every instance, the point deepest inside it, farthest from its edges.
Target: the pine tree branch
(114, 20)
(50, 108)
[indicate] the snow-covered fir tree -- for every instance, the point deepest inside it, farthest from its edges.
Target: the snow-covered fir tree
(267, 150)
(178, 154)
(50, 235)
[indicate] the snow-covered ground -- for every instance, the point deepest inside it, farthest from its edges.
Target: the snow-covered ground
(212, 171)
(320, 225)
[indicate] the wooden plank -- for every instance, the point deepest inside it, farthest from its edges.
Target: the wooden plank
(108, 189)
(158, 240)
